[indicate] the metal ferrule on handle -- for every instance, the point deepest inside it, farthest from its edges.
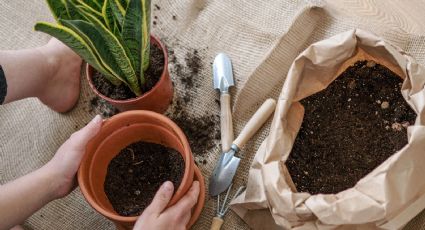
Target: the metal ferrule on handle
(227, 157)
(235, 148)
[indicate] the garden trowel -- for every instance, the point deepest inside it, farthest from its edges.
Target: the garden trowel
(228, 163)
(223, 79)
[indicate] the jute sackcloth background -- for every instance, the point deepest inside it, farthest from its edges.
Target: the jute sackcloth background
(261, 37)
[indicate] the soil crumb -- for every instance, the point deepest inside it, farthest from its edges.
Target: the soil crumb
(349, 129)
(137, 172)
(123, 92)
(99, 106)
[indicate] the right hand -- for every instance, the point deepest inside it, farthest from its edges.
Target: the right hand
(176, 217)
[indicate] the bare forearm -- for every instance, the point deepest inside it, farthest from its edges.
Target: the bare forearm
(20, 198)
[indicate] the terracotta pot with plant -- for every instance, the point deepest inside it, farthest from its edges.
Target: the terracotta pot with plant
(104, 172)
(113, 37)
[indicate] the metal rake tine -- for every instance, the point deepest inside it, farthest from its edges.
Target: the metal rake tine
(234, 196)
(218, 205)
(225, 199)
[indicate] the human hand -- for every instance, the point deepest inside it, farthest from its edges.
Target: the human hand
(176, 217)
(64, 165)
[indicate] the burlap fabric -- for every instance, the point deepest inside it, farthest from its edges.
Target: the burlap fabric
(261, 37)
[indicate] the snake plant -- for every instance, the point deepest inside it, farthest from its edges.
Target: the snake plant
(113, 36)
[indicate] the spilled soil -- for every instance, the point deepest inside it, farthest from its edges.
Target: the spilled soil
(202, 131)
(349, 129)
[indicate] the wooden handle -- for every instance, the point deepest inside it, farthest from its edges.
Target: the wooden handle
(255, 123)
(226, 122)
(216, 223)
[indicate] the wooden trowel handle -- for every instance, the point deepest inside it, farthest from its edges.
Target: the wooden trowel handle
(216, 223)
(226, 122)
(255, 123)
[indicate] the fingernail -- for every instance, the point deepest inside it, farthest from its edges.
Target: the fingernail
(97, 119)
(167, 186)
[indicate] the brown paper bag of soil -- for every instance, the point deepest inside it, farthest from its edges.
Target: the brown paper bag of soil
(388, 197)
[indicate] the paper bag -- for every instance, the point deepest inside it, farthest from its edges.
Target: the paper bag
(388, 197)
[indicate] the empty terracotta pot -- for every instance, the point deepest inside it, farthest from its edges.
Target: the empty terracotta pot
(157, 99)
(117, 133)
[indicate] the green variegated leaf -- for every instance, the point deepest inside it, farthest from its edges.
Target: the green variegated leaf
(108, 16)
(119, 53)
(116, 30)
(73, 12)
(124, 4)
(77, 44)
(136, 34)
(132, 34)
(118, 11)
(90, 10)
(85, 11)
(96, 41)
(58, 9)
(79, 8)
(95, 4)
(146, 9)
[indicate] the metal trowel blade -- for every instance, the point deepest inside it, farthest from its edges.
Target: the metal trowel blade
(223, 173)
(223, 73)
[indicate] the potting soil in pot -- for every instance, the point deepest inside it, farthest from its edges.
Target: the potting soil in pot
(137, 172)
(349, 129)
(122, 92)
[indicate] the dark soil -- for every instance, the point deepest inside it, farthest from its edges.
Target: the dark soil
(349, 129)
(123, 92)
(137, 172)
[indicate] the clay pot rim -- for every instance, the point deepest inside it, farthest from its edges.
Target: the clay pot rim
(178, 192)
(156, 41)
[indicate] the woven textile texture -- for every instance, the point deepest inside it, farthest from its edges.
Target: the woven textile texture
(261, 37)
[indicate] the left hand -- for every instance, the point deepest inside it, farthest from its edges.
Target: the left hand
(64, 165)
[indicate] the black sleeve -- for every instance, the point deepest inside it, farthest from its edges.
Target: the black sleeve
(3, 86)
